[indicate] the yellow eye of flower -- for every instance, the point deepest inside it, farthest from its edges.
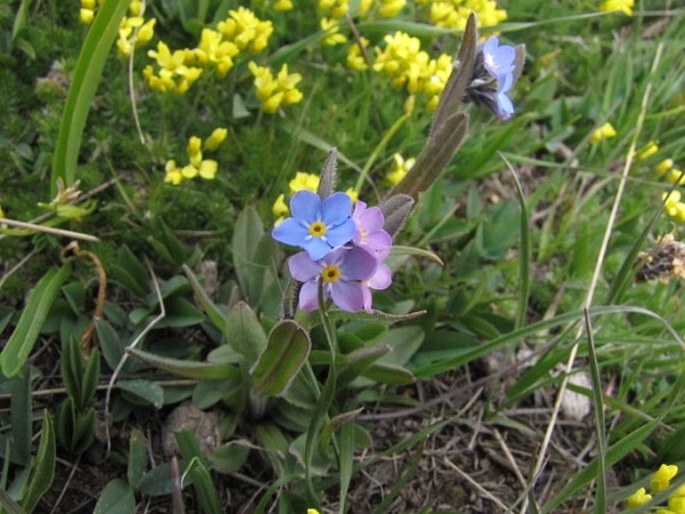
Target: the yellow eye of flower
(331, 273)
(317, 229)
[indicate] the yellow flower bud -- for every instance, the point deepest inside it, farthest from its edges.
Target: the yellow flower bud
(638, 498)
(662, 478)
(208, 169)
(194, 146)
(650, 149)
(676, 176)
(86, 16)
(88, 4)
(216, 138)
(302, 180)
(135, 7)
(677, 504)
(664, 166)
(354, 195)
(146, 32)
(280, 208)
(606, 131)
(283, 5)
(189, 171)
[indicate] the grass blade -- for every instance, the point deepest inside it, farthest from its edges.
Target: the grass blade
(91, 62)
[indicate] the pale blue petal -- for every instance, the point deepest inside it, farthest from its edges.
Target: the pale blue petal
(305, 206)
(341, 234)
(316, 247)
(290, 232)
(336, 209)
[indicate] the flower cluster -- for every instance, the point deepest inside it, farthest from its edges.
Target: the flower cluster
(274, 92)
(412, 68)
(343, 250)
(660, 481)
(197, 165)
(176, 71)
(135, 32)
(454, 13)
(625, 6)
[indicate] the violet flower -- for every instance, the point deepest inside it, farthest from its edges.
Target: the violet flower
(370, 234)
(498, 60)
(317, 226)
(380, 280)
(504, 105)
(342, 273)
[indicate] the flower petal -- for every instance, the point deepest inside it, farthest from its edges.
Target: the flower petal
(340, 234)
(309, 296)
(336, 209)
(373, 219)
(303, 268)
(358, 264)
(316, 247)
(368, 298)
(305, 206)
(290, 232)
(382, 278)
(378, 243)
(348, 295)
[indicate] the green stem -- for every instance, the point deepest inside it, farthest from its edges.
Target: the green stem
(379, 148)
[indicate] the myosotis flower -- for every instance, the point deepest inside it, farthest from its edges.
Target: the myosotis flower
(341, 273)
(317, 226)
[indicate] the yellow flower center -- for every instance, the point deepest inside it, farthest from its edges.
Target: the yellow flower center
(317, 229)
(330, 273)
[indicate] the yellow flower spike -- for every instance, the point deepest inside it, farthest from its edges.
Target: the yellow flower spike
(606, 131)
(302, 180)
(274, 91)
(355, 58)
(86, 16)
(639, 497)
(245, 30)
(216, 138)
(650, 149)
(208, 169)
(334, 37)
(625, 6)
(662, 478)
(354, 195)
(676, 176)
(663, 166)
(194, 146)
(280, 208)
(173, 174)
(677, 504)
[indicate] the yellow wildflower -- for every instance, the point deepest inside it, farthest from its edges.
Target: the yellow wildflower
(400, 168)
(676, 176)
(134, 32)
(389, 8)
(354, 195)
(677, 504)
(303, 180)
(208, 169)
(212, 50)
(173, 174)
(194, 146)
(625, 6)
(662, 478)
(174, 74)
(363, 7)
(280, 208)
(638, 498)
(335, 8)
(272, 92)
(216, 138)
(244, 29)
(454, 13)
(333, 37)
(404, 61)
(135, 8)
(650, 149)
(663, 166)
(355, 57)
(87, 4)
(606, 131)
(86, 16)
(283, 5)
(439, 72)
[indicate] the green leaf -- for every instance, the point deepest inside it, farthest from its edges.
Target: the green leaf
(110, 343)
(158, 481)
(244, 333)
(252, 254)
(91, 376)
(21, 416)
(207, 305)
(116, 498)
(8, 504)
(189, 369)
(286, 352)
(137, 457)
(229, 458)
(43, 466)
(358, 362)
(389, 374)
(145, 390)
(26, 333)
(84, 82)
